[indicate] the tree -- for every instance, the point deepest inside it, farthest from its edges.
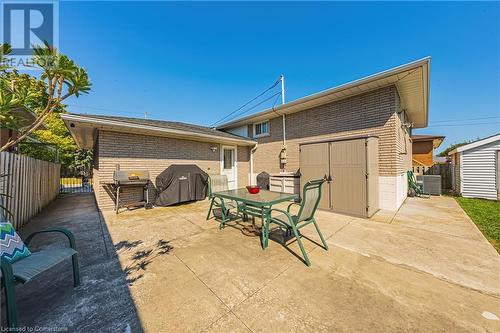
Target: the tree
(60, 79)
(445, 152)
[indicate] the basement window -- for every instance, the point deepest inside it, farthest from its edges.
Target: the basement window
(261, 129)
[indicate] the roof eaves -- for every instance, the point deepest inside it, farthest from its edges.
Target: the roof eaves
(351, 84)
(476, 144)
(125, 124)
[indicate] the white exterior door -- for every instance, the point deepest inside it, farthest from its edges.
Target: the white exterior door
(229, 166)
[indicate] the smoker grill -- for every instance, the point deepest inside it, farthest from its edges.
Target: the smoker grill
(131, 179)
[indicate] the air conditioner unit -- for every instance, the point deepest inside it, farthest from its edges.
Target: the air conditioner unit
(431, 184)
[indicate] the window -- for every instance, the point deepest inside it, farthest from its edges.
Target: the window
(261, 129)
(228, 159)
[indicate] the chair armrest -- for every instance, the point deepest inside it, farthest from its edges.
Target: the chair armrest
(281, 211)
(66, 232)
(290, 205)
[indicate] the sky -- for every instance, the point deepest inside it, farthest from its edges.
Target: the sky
(197, 62)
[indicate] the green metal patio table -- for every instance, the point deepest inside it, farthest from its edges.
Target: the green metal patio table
(256, 205)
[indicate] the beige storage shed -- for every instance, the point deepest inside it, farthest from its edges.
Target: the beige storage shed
(351, 167)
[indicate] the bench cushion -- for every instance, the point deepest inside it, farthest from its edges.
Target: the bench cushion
(38, 262)
(12, 247)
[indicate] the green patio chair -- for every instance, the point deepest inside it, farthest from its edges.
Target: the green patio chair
(25, 269)
(311, 196)
(218, 183)
(414, 187)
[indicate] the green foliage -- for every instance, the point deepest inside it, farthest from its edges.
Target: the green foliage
(60, 79)
(445, 152)
(57, 135)
(20, 90)
(486, 215)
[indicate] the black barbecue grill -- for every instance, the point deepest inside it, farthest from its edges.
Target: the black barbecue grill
(131, 179)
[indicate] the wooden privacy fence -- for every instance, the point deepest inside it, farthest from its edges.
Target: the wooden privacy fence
(30, 184)
(445, 170)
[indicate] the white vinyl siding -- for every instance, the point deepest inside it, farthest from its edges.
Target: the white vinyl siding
(478, 171)
(241, 131)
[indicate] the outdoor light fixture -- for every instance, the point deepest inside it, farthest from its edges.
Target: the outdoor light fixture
(213, 149)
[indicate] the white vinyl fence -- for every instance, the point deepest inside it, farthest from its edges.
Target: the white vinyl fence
(30, 184)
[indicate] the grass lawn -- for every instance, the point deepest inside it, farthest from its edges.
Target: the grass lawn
(486, 215)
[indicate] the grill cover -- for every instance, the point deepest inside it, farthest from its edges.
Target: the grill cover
(180, 183)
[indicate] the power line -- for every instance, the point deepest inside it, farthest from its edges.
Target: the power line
(481, 118)
(247, 103)
(256, 105)
(458, 125)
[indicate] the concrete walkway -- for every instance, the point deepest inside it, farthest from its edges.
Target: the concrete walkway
(427, 268)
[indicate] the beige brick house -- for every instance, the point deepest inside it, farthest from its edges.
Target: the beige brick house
(386, 105)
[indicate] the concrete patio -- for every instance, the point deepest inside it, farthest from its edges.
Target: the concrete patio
(426, 268)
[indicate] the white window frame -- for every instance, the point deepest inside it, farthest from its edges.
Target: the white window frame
(262, 134)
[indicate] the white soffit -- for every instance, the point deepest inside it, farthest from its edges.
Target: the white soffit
(83, 129)
(411, 80)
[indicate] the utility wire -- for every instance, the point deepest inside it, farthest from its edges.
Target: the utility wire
(481, 118)
(274, 104)
(256, 105)
(458, 125)
(244, 105)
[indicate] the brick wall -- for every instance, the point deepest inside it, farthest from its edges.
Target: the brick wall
(372, 113)
(153, 154)
(243, 158)
(404, 147)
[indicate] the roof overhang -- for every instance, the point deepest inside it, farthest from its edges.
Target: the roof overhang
(84, 131)
(475, 144)
(411, 81)
(437, 140)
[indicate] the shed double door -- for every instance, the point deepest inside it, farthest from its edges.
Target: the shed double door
(351, 170)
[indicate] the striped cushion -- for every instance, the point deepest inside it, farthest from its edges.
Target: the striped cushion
(12, 247)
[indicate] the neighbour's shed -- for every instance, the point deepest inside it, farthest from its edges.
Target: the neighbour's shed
(477, 168)
(423, 147)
